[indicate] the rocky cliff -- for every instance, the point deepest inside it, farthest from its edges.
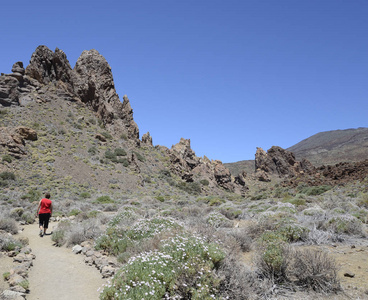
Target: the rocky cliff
(90, 82)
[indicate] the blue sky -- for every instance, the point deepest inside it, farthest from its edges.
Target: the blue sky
(229, 75)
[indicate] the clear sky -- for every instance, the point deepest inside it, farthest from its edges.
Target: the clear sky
(229, 75)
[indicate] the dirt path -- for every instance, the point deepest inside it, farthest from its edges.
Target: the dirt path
(57, 273)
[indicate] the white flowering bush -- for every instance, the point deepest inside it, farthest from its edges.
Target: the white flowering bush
(217, 220)
(181, 269)
(118, 238)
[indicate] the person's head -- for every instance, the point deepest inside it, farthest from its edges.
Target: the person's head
(47, 195)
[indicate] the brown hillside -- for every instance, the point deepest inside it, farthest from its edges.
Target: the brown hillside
(332, 147)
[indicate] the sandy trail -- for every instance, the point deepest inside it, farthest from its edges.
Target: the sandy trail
(58, 273)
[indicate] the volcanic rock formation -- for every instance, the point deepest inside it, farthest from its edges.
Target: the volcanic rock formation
(90, 82)
(278, 161)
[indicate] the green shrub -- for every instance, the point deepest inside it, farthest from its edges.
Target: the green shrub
(259, 196)
(292, 232)
(211, 200)
(92, 150)
(139, 156)
(205, 182)
(190, 187)
(74, 212)
(10, 244)
(363, 200)
(120, 152)
(272, 256)
(7, 175)
(32, 195)
(6, 275)
(24, 284)
(7, 158)
(85, 195)
(110, 155)
(107, 135)
(231, 212)
(160, 198)
(344, 224)
(362, 215)
(315, 190)
(297, 201)
(104, 200)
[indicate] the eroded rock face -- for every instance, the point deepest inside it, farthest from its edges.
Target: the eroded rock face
(186, 164)
(13, 142)
(147, 139)
(278, 161)
(93, 83)
(47, 66)
(27, 133)
(9, 94)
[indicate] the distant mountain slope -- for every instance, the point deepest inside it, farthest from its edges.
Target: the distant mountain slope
(236, 168)
(331, 147)
(324, 148)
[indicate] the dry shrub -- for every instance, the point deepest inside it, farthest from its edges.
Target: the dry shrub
(238, 282)
(315, 270)
(242, 238)
(59, 234)
(80, 232)
(9, 225)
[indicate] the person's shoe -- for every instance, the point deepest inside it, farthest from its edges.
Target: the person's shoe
(41, 233)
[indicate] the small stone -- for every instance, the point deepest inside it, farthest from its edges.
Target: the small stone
(13, 295)
(77, 249)
(349, 274)
(107, 271)
(90, 253)
(15, 279)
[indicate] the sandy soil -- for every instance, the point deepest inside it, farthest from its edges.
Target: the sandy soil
(6, 263)
(58, 273)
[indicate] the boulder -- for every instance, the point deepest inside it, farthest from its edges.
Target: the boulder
(27, 133)
(13, 142)
(18, 68)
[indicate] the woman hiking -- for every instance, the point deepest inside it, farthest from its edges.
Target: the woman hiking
(44, 211)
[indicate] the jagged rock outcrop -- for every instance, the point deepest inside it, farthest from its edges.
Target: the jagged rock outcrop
(13, 140)
(93, 83)
(47, 66)
(186, 164)
(147, 139)
(278, 161)
(240, 179)
(27, 133)
(90, 82)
